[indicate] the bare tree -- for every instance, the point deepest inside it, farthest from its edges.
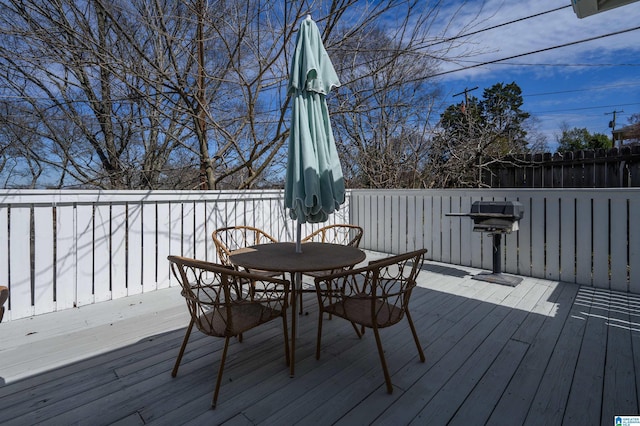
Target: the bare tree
(165, 94)
(19, 162)
(383, 111)
(68, 73)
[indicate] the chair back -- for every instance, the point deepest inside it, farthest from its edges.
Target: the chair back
(218, 298)
(376, 295)
(233, 238)
(344, 234)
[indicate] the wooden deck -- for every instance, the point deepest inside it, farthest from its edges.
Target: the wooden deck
(543, 353)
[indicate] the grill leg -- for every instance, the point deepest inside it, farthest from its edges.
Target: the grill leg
(497, 258)
(497, 277)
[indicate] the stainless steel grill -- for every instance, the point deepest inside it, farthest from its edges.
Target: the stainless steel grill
(496, 218)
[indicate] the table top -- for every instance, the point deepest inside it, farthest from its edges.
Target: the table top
(283, 257)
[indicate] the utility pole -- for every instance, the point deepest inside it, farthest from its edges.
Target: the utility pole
(466, 103)
(612, 124)
(466, 114)
(466, 95)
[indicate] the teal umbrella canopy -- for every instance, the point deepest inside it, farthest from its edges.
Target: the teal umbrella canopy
(314, 185)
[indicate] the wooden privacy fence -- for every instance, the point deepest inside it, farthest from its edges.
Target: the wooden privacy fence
(64, 249)
(613, 168)
(589, 237)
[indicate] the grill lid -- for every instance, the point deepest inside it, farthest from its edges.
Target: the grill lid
(497, 209)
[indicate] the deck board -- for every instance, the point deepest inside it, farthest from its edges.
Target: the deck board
(619, 365)
(543, 352)
(517, 397)
(586, 390)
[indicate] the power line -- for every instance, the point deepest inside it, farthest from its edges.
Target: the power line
(585, 108)
(543, 64)
(576, 90)
(546, 49)
(466, 94)
(498, 26)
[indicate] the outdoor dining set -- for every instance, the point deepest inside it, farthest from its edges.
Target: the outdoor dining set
(258, 279)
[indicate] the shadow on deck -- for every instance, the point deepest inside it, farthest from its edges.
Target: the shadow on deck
(540, 353)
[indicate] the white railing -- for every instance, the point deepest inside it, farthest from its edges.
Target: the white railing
(585, 236)
(62, 249)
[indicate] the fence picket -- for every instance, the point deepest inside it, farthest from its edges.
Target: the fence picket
(427, 224)
(66, 257)
(445, 229)
(87, 240)
(101, 256)
(465, 227)
(601, 243)
(200, 235)
(537, 215)
(165, 243)
(584, 250)
(477, 239)
(456, 236)
(118, 248)
(552, 238)
(618, 253)
(149, 251)
(394, 232)
(436, 227)
(43, 246)
(20, 280)
(134, 249)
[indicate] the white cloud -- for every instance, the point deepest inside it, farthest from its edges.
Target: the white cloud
(551, 29)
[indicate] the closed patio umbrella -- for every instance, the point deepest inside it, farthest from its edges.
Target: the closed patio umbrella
(314, 185)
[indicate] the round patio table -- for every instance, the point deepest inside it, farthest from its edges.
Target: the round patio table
(282, 257)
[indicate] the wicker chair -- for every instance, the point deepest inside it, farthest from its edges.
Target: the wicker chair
(344, 234)
(4, 295)
(233, 238)
(218, 309)
(375, 296)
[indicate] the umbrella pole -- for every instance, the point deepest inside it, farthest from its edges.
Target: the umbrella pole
(297, 286)
(299, 238)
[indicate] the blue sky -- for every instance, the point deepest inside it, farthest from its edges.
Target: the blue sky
(580, 85)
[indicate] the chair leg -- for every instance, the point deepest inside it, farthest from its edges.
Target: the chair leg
(387, 377)
(415, 336)
(287, 354)
(252, 291)
(300, 311)
(358, 332)
(220, 371)
(319, 338)
(182, 348)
